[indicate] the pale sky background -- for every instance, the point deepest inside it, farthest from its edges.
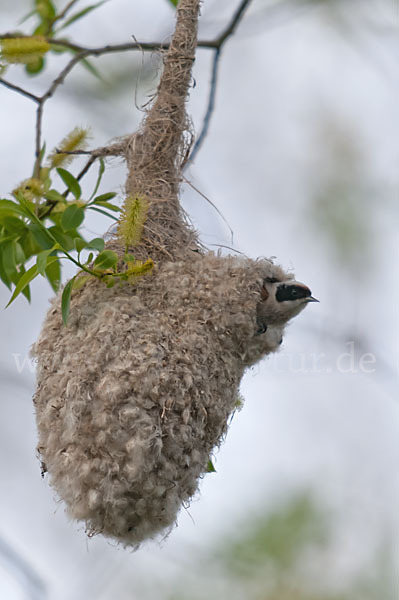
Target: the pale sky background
(295, 92)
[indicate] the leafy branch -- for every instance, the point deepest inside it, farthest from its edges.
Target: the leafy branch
(24, 234)
(80, 53)
(39, 222)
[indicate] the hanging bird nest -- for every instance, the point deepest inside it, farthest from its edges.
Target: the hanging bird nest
(136, 392)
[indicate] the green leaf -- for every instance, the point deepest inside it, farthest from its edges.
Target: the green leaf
(19, 254)
(54, 196)
(26, 293)
(103, 212)
(110, 206)
(70, 181)
(45, 178)
(34, 67)
(58, 49)
(10, 207)
(41, 235)
(29, 245)
(46, 9)
(66, 300)
(41, 155)
(210, 468)
(99, 177)
(106, 259)
(3, 275)
(96, 244)
(72, 217)
(80, 244)
(53, 273)
(65, 241)
(42, 260)
(89, 258)
(87, 64)
(9, 259)
(104, 197)
(28, 16)
(174, 2)
(14, 225)
(25, 280)
(80, 281)
(41, 29)
(80, 14)
(26, 290)
(109, 281)
(8, 238)
(29, 208)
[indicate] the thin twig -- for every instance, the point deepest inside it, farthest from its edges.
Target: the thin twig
(20, 90)
(108, 49)
(217, 45)
(230, 29)
(83, 172)
(232, 26)
(144, 46)
(39, 114)
(85, 169)
(74, 152)
(210, 107)
(84, 52)
(38, 142)
(50, 204)
(64, 12)
(61, 77)
(213, 206)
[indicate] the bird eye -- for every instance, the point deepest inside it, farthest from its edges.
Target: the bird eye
(291, 292)
(261, 329)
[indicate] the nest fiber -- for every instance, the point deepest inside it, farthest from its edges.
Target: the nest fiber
(135, 393)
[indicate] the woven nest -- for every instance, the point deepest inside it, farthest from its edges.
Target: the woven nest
(136, 392)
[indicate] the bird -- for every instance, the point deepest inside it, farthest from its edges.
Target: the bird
(280, 302)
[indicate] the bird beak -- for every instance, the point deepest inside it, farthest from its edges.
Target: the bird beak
(311, 299)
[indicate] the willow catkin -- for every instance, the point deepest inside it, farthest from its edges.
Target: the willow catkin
(135, 393)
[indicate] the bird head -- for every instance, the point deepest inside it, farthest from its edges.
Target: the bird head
(282, 300)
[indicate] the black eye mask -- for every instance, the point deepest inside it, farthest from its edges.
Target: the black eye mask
(291, 292)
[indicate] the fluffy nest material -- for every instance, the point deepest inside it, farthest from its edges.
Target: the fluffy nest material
(137, 391)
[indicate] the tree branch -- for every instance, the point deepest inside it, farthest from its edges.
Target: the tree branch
(210, 107)
(87, 166)
(20, 90)
(63, 13)
(38, 141)
(230, 29)
(83, 52)
(232, 26)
